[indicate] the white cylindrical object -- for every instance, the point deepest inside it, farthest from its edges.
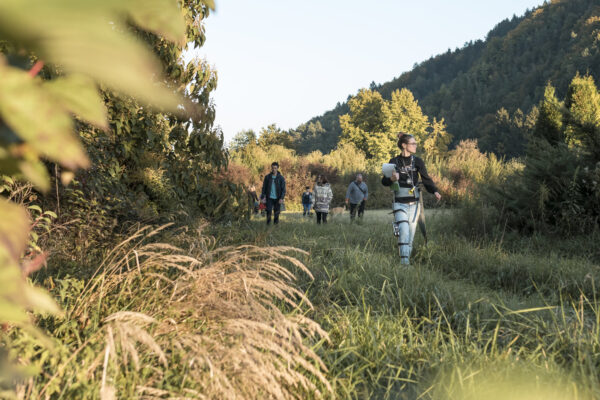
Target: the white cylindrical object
(388, 170)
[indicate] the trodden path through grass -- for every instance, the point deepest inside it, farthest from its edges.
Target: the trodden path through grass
(465, 317)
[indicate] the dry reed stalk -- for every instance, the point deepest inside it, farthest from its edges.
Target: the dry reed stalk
(214, 316)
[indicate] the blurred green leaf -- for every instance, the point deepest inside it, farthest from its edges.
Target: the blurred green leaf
(39, 300)
(79, 95)
(35, 171)
(14, 229)
(17, 295)
(8, 311)
(91, 38)
(159, 16)
(29, 111)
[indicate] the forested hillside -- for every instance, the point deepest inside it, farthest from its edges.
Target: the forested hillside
(487, 89)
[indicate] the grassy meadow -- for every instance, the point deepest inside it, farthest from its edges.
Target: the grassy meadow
(242, 310)
(494, 316)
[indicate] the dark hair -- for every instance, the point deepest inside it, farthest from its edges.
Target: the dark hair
(275, 163)
(404, 137)
(324, 179)
(307, 187)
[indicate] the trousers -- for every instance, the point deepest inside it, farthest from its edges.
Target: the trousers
(405, 220)
(274, 206)
(361, 209)
(321, 216)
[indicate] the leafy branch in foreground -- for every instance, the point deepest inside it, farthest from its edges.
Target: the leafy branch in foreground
(90, 44)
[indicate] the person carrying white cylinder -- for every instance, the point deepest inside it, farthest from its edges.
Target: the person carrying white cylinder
(402, 175)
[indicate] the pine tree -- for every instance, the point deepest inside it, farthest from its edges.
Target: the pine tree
(582, 119)
(549, 124)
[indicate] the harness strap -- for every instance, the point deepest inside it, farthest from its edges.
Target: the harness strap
(422, 221)
(416, 212)
(400, 210)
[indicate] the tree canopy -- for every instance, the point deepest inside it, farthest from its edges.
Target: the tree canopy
(373, 123)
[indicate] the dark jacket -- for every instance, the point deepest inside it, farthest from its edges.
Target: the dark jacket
(279, 186)
(415, 168)
(307, 198)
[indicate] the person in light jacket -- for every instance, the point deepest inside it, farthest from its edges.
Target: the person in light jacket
(321, 199)
(356, 197)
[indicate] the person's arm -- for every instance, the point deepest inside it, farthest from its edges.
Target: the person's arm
(366, 192)
(427, 181)
(282, 189)
(348, 192)
(330, 194)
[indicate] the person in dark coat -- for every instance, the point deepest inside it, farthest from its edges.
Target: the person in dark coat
(273, 190)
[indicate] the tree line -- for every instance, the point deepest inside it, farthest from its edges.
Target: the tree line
(473, 88)
(553, 186)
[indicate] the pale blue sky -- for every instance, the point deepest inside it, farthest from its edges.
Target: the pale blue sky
(284, 62)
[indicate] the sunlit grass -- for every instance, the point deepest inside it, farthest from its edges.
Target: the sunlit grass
(177, 313)
(470, 319)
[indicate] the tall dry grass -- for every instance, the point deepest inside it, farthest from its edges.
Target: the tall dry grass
(158, 322)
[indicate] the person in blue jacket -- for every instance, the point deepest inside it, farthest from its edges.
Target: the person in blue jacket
(273, 190)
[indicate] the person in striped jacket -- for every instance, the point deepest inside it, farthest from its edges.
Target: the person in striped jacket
(321, 199)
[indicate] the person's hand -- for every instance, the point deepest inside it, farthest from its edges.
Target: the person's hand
(395, 176)
(280, 201)
(438, 196)
(347, 201)
(264, 201)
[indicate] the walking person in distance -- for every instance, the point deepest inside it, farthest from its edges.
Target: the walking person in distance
(322, 198)
(356, 197)
(306, 201)
(404, 181)
(273, 190)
